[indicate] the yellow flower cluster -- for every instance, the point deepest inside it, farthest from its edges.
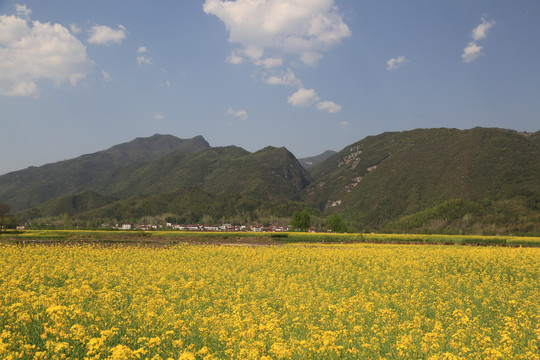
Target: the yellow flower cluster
(269, 302)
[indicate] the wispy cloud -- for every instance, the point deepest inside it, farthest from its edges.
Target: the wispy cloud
(158, 116)
(104, 35)
(287, 78)
(471, 52)
(270, 62)
(75, 29)
(240, 114)
(22, 10)
(480, 32)
(106, 76)
(395, 63)
(143, 60)
(235, 59)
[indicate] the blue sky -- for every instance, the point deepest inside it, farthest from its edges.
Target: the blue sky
(81, 76)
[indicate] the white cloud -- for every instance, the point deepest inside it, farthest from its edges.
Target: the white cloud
(471, 52)
(268, 33)
(143, 60)
(254, 52)
(158, 116)
(20, 88)
(298, 27)
(75, 29)
(235, 59)
(344, 124)
(307, 97)
(270, 62)
(311, 58)
(241, 114)
(329, 106)
(480, 32)
(22, 10)
(33, 51)
(395, 63)
(288, 78)
(303, 97)
(104, 35)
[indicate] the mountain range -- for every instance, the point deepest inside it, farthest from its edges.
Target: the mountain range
(481, 180)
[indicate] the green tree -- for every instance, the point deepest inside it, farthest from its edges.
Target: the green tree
(336, 223)
(66, 220)
(301, 220)
(4, 211)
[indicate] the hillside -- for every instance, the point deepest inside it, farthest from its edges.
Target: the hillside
(68, 205)
(481, 180)
(384, 177)
(535, 137)
(210, 184)
(269, 174)
(32, 186)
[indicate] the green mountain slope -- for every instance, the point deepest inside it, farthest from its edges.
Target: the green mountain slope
(67, 204)
(535, 137)
(271, 174)
(384, 177)
(481, 180)
(179, 201)
(35, 185)
(190, 204)
(518, 215)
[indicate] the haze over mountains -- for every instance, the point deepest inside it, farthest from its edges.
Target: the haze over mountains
(482, 180)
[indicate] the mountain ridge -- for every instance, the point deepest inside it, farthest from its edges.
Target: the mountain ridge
(415, 180)
(394, 174)
(34, 185)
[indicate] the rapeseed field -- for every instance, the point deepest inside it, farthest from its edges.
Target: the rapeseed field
(360, 301)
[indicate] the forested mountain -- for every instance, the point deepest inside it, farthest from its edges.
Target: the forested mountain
(68, 205)
(382, 178)
(268, 174)
(35, 185)
(481, 180)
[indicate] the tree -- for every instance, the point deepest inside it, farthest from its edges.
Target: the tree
(66, 219)
(336, 223)
(4, 211)
(301, 220)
